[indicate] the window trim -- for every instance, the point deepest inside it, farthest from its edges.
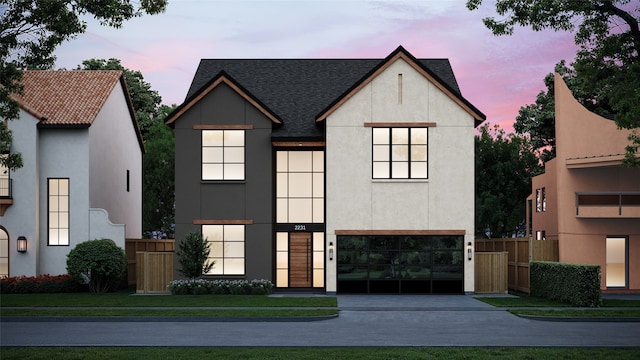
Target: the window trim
(49, 225)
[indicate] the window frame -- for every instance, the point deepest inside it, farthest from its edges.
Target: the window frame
(223, 256)
(49, 212)
(389, 147)
(222, 147)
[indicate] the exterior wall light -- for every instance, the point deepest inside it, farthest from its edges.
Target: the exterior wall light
(22, 244)
(469, 251)
(330, 250)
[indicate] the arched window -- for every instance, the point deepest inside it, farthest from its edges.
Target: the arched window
(4, 253)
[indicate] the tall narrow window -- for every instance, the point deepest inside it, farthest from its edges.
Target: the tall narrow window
(58, 211)
(617, 260)
(544, 199)
(4, 253)
(222, 154)
(5, 181)
(128, 181)
(400, 153)
(227, 248)
(538, 200)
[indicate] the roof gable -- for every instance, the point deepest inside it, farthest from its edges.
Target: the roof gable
(221, 78)
(62, 99)
(401, 53)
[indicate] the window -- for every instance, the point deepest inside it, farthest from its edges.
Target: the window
(227, 248)
(541, 200)
(300, 186)
(541, 235)
(5, 182)
(400, 153)
(4, 253)
(58, 210)
(222, 154)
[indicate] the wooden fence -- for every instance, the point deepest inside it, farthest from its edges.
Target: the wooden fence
(134, 245)
(154, 272)
(521, 252)
(491, 272)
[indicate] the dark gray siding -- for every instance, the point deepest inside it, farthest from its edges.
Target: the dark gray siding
(251, 199)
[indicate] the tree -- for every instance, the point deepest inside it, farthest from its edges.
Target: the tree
(506, 162)
(158, 210)
(193, 254)
(100, 262)
(146, 101)
(30, 31)
(608, 62)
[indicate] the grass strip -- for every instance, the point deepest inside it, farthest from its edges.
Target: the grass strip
(579, 313)
(320, 353)
(530, 301)
(170, 312)
(126, 299)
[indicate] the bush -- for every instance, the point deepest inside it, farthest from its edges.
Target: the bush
(578, 285)
(100, 263)
(193, 253)
(39, 284)
(220, 287)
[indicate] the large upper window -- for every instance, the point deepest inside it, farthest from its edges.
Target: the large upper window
(300, 187)
(227, 248)
(58, 211)
(400, 153)
(222, 154)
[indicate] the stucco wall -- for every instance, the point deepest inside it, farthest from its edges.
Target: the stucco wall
(355, 201)
(64, 154)
(22, 217)
(114, 150)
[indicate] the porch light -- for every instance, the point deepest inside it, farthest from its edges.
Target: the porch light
(469, 252)
(330, 250)
(22, 244)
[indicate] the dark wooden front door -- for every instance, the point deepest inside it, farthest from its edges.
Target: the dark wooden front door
(300, 260)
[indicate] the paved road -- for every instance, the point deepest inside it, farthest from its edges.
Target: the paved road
(363, 321)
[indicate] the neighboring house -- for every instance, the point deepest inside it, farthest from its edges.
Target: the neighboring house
(82, 174)
(337, 175)
(586, 199)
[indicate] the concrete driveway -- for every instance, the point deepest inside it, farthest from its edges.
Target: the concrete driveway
(365, 320)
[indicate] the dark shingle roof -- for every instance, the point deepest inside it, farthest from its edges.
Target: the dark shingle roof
(297, 90)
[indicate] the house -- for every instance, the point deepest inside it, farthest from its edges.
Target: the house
(586, 199)
(82, 174)
(331, 175)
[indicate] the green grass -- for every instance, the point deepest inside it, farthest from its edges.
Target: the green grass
(248, 312)
(602, 312)
(126, 299)
(530, 301)
(319, 353)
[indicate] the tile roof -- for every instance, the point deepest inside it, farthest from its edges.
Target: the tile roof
(66, 98)
(298, 90)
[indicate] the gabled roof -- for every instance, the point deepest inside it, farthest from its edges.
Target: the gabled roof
(298, 91)
(68, 99)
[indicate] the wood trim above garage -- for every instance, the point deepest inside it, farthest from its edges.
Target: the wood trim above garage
(400, 232)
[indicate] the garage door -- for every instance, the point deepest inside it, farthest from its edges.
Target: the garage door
(400, 264)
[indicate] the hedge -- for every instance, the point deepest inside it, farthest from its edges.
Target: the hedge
(39, 284)
(575, 284)
(220, 287)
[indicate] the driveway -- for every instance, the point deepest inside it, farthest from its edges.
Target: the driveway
(365, 320)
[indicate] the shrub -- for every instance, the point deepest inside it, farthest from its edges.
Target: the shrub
(101, 263)
(220, 287)
(39, 284)
(193, 253)
(578, 285)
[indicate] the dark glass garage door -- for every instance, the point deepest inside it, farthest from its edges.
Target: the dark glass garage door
(400, 264)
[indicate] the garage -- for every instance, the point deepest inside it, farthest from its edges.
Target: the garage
(400, 264)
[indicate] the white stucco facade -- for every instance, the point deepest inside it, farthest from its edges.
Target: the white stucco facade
(356, 201)
(95, 160)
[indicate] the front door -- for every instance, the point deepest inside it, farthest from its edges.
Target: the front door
(300, 262)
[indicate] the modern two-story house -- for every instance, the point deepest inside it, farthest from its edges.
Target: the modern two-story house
(333, 175)
(82, 174)
(586, 199)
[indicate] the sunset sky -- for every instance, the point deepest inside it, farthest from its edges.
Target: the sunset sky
(496, 74)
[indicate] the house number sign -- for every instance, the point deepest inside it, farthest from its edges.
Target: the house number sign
(300, 227)
(311, 227)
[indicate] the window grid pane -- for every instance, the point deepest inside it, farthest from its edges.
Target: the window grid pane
(226, 248)
(400, 153)
(300, 187)
(223, 154)
(58, 211)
